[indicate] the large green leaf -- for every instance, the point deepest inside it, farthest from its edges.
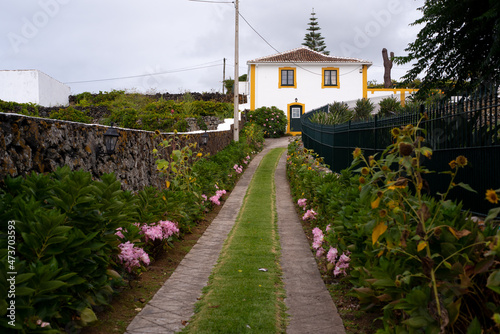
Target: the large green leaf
(417, 322)
(494, 281)
(50, 285)
(23, 277)
(24, 291)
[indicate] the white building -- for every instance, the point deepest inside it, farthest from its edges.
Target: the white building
(300, 80)
(33, 86)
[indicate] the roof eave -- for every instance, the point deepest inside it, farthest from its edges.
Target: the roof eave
(367, 63)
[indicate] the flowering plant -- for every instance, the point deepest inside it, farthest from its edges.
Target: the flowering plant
(309, 215)
(131, 256)
(333, 266)
(238, 168)
(148, 239)
(271, 119)
(215, 199)
(424, 260)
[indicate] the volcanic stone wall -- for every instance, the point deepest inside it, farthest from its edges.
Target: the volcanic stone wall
(31, 144)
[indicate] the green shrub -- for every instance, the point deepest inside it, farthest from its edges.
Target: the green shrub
(253, 135)
(28, 109)
(421, 259)
(84, 99)
(71, 114)
(338, 113)
(66, 234)
(339, 108)
(65, 242)
(390, 106)
(363, 109)
(271, 119)
(181, 125)
(201, 123)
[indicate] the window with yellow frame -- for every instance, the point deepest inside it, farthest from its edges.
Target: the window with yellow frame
(288, 77)
(330, 77)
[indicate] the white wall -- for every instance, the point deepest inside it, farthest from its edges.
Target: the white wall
(19, 86)
(52, 92)
(33, 86)
(309, 82)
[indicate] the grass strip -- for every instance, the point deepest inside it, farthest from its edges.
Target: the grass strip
(240, 298)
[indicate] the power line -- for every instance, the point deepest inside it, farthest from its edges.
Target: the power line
(244, 19)
(305, 69)
(185, 69)
(211, 1)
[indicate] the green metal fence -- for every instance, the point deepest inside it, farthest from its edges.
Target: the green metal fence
(468, 125)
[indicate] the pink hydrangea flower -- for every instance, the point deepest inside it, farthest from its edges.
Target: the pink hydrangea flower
(342, 265)
(119, 232)
(152, 232)
(216, 198)
(132, 256)
(309, 215)
(302, 203)
(169, 228)
(320, 252)
(318, 238)
(317, 232)
(331, 256)
(238, 169)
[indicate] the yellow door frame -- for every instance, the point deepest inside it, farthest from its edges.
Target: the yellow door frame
(289, 117)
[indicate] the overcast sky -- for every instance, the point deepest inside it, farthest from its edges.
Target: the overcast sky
(179, 45)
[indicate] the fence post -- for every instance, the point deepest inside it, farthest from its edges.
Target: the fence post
(348, 139)
(375, 141)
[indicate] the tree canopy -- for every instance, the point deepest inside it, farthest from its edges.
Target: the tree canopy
(313, 39)
(458, 46)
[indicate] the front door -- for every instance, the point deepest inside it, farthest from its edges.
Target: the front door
(294, 113)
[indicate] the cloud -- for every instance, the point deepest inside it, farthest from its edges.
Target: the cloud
(75, 41)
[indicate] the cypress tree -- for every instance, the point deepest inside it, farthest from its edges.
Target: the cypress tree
(313, 39)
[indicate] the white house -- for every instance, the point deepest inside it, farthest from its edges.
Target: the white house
(300, 80)
(33, 86)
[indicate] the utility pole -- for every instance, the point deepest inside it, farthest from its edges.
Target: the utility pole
(236, 77)
(224, 76)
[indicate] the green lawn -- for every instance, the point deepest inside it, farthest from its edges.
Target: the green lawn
(239, 298)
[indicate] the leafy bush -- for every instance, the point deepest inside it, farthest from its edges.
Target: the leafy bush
(28, 109)
(71, 114)
(427, 263)
(390, 106)
(76, 238)
(363, 109)
(85, 99)
(271, 119)
(338, 113)
(253, 136)
(339, 108)
(65, 244)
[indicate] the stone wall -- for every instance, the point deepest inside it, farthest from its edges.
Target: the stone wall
(30, 144)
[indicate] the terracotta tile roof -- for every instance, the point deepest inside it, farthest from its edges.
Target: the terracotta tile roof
(306, 55)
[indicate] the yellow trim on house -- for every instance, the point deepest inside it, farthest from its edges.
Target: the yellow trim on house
(323, 77)
(289, 117)
(294, 77)
(365, 81)
(401, 91)
(252, 87)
